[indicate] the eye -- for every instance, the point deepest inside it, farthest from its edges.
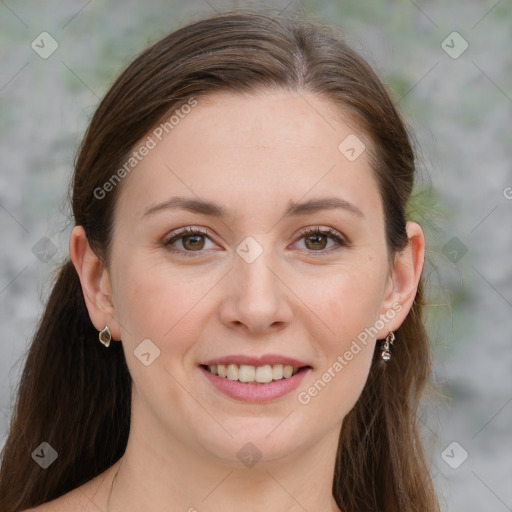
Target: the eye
(191, 239)
(316, 239)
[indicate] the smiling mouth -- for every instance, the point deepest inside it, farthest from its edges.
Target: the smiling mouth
(249, 374)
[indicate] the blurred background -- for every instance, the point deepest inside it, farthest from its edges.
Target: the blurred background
(449, 68)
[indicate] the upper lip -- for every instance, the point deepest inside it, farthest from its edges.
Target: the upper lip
(263, 360)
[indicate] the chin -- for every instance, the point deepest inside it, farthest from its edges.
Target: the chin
(256, 439)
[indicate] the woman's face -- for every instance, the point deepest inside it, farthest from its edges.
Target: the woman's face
(251, 288)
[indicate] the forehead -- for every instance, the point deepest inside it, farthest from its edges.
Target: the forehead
(265, 148)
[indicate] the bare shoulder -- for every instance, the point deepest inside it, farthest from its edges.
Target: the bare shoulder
(56, 505)
(89, 497)
(66, 503)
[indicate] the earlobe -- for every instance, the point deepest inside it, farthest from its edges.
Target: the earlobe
(94, 280)
(405, 277)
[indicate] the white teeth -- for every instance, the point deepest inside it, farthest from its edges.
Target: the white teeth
(221, 370)
(264, 373)
(232, 372)
(277, 371)
(287, 371)
(248, 373)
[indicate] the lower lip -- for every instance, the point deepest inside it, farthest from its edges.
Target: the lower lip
(257, 393)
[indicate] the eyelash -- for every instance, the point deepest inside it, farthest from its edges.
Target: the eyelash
(329, 232)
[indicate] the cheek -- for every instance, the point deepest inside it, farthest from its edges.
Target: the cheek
(334, 391)
(349, 308)
(347, 301)
(153, 302)
(347, 351)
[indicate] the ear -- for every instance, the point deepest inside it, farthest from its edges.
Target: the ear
(403, 280)
(95, 282)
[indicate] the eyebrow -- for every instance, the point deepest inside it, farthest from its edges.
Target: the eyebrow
(212, 209)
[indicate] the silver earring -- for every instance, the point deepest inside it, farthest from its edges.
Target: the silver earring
(105, 336)
(386, 354)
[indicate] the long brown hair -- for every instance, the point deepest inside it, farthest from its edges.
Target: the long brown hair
(76, 396)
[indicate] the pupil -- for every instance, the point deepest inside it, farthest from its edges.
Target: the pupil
(194, 244)
(315, 245)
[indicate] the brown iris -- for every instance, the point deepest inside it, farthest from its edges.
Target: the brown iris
(197, 241)
(316, 236)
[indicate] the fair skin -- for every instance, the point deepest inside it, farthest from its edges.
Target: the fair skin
(302, 297)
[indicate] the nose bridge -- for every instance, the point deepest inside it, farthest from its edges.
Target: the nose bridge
(253, 274)
(257, 297)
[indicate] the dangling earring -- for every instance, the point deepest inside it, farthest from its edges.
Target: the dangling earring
(386, 354)
(105, 336)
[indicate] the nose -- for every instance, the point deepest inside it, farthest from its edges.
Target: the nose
(256, 300)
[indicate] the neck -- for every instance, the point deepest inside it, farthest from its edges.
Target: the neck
(159, 473)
